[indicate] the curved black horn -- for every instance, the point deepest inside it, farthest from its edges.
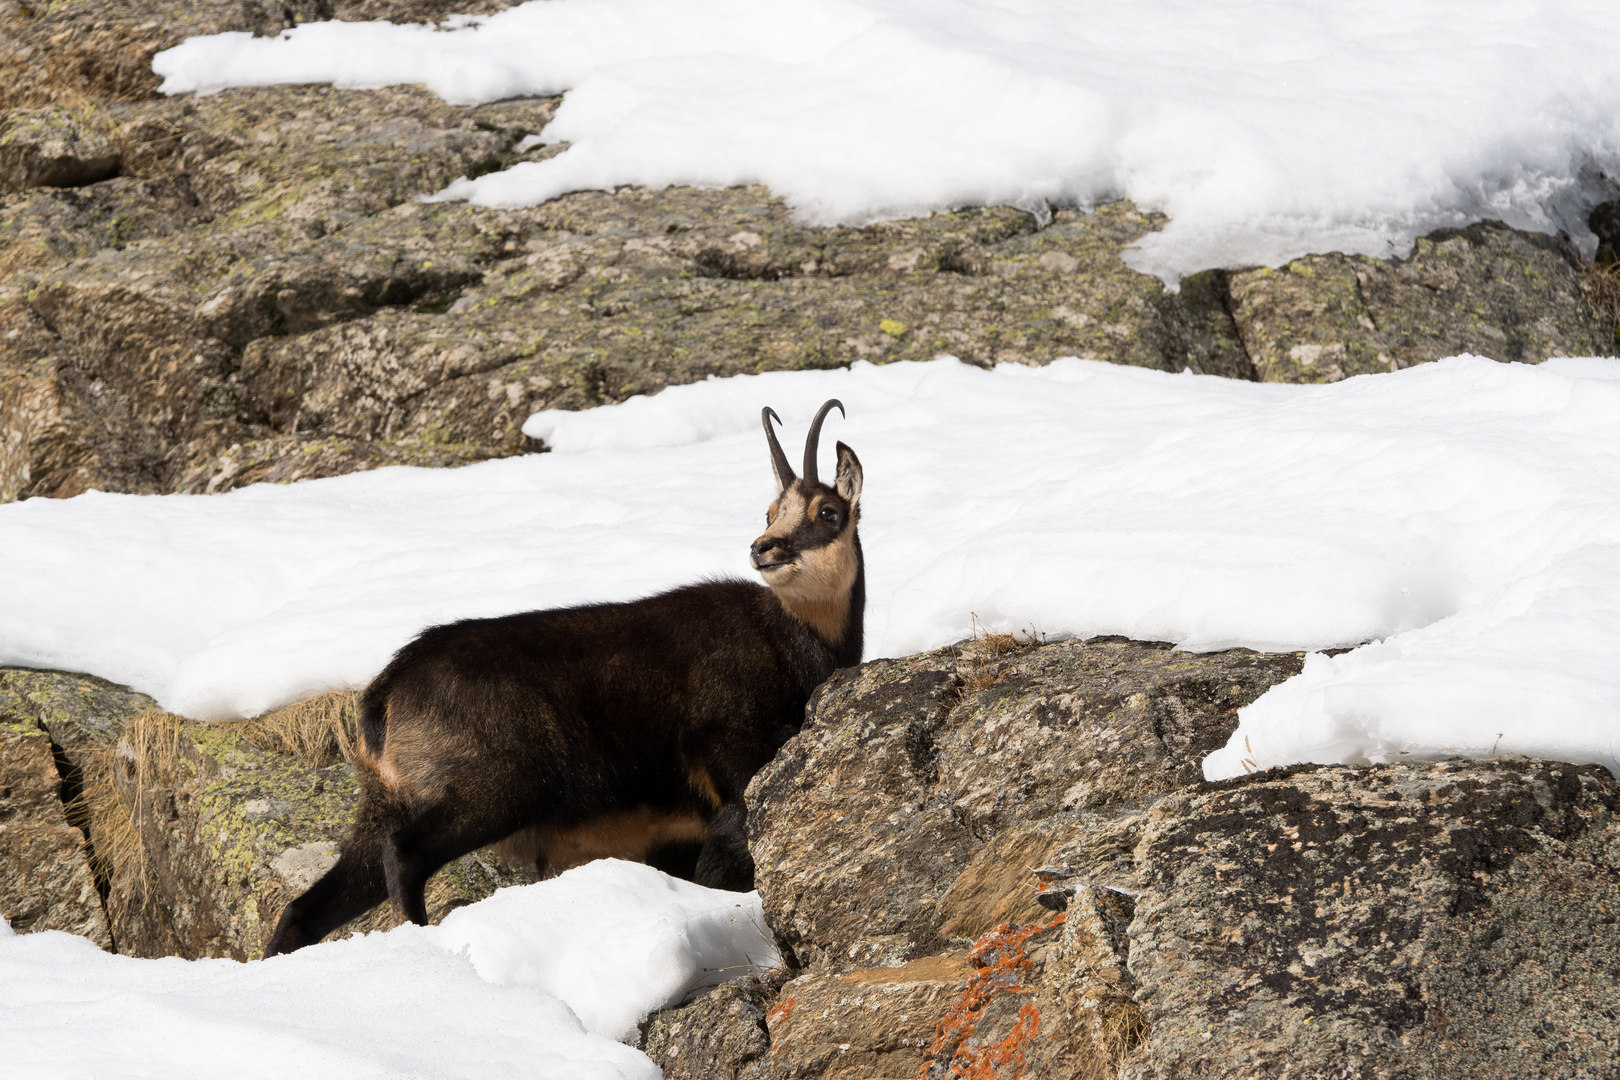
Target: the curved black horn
(814, 439)
(779, 461)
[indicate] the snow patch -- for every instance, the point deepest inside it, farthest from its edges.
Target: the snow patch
(1460, 516)
(541, 981)
(1265, 129)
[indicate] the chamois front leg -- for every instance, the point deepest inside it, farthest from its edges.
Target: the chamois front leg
(351, 888)
(415, 851)
(724, 862)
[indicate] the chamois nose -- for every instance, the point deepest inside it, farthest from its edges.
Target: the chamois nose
(762, 547)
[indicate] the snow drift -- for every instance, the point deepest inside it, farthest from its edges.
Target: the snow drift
(1265, 130)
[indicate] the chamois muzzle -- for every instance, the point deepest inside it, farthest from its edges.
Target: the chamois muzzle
(768, 552)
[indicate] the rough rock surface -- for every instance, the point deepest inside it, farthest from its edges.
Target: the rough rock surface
(1450, 919)
(1486, 289)
(256, 296)
(944, 797)
(1007, 865)
(717, 1037)
(45, 878)
(49, 148)
(201, 836)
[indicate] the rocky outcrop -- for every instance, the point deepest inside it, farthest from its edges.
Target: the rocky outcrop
(996, 860)
(49, 148)
(1449, 919)
(200, 833)
(1486, 289)
(255, 295)
(1005, 863)
(950, 795)
(45, 878)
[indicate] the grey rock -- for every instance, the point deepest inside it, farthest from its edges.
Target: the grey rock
(45, 877)
(939, 782)
(715, 1038)
(50, 147)
(1486, 289)
(1424, 920)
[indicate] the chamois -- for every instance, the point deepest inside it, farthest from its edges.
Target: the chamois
(626, 729)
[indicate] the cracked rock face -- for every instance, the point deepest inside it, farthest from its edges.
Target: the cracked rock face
(943, 798)
(45, 877)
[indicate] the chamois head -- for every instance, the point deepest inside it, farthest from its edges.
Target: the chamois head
(809, 553)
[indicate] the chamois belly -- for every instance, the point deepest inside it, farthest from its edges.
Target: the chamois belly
(622, 834)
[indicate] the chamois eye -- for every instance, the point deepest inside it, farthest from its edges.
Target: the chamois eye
(830, 515)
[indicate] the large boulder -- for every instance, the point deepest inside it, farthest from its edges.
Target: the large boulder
(1003, 862)
(1417, 920)
(940, 781)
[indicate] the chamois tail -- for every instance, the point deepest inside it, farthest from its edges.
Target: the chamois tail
(373, 719)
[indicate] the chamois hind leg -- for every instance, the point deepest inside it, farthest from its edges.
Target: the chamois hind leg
(724, 862)
(676, 860)
(350, 889)
(412, 853)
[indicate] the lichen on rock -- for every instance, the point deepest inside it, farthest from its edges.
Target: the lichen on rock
(198, 835)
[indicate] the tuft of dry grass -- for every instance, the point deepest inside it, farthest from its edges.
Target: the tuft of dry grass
(145, 759)
(980, 660)
(322, 730)
(120, 783)
(1602, 281)
(1123, 1028)
(112, 834)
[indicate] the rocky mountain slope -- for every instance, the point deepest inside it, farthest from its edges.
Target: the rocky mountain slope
(994, 860)
(197, 293)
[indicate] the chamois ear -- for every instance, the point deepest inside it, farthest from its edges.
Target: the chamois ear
(849, 476)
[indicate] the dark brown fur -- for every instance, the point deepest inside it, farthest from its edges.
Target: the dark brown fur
(610, 729)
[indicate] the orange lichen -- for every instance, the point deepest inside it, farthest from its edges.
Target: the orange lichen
(778, 1014)
(964, 1057)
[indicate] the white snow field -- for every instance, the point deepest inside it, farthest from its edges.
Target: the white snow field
(540, 982)
(1266, 129)
(1462, 516)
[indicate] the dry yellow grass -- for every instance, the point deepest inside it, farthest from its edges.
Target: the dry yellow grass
(321, 730)
(113, 814)
(1123, 1028)
(980, 659)
(1603, 286)
(112, 835)
(118, 783)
